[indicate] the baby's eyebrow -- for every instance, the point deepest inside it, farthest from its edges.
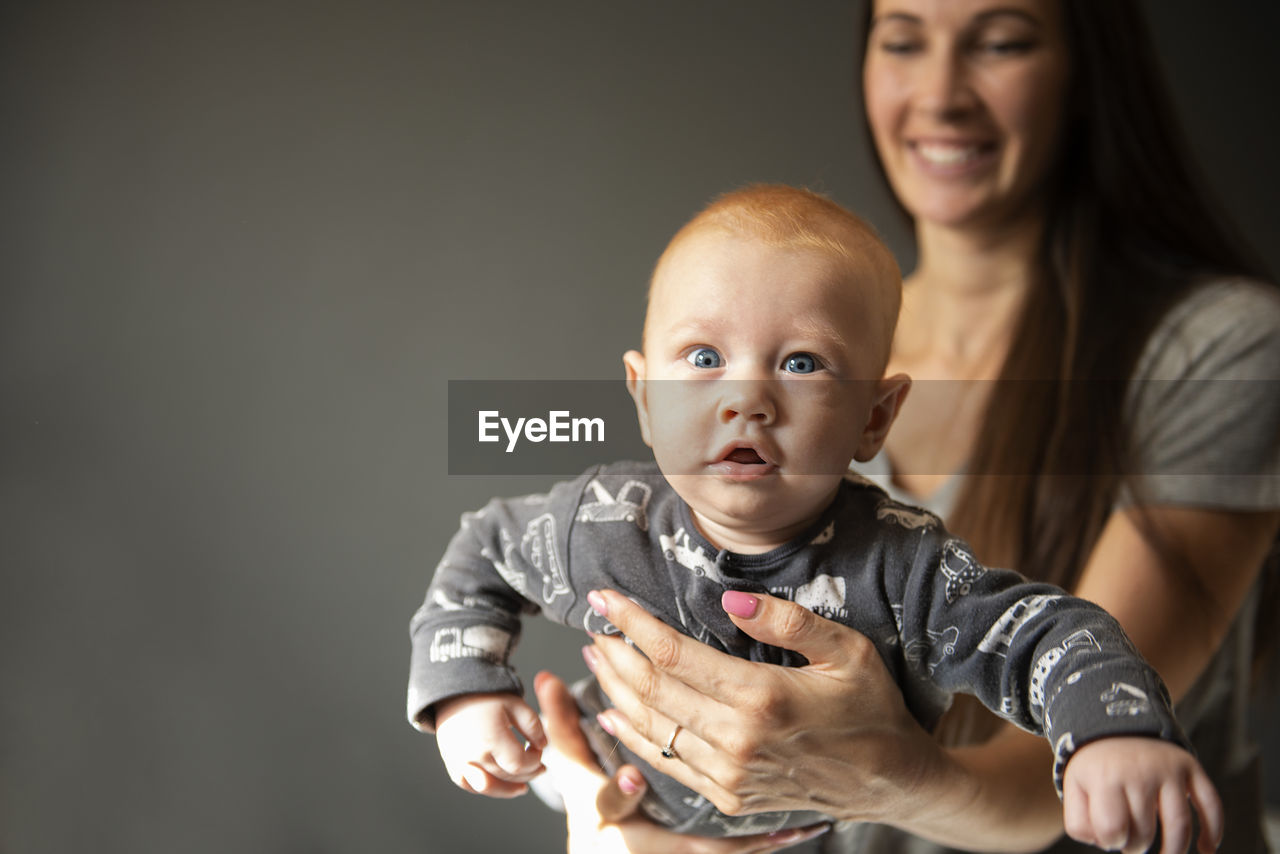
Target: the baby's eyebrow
(696, 326)
(820, 330)
(814, 331)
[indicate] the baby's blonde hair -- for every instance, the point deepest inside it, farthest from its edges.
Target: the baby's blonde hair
(795, 218)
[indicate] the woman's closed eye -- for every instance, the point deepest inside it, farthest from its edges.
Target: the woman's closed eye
(704, 357)
(802, 363)
(901, 47)
(1003, 47)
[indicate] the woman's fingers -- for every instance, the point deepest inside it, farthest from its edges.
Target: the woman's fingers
(782, 623)
(619, 799)
(705, 670)
(645, 730)
(691, 754)
(638, 837)
(765, 843)
(603, 814)
(760, 843)
(751, 730)
(560, 719)
(777, 622)
(589, 797)
(638, 688)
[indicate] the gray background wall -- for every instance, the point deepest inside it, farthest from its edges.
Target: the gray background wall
(244, 245)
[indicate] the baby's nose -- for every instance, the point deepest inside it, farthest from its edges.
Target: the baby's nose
(750, 401)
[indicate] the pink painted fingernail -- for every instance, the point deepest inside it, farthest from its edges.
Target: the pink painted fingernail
(597, 603)
(589, 656)
(628, 785)
(605, 723)
(739, 604)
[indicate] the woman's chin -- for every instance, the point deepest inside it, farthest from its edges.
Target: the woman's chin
(949, 204)
(954, 214)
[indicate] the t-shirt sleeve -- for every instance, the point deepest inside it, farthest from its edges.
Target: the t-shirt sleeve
(1204, 403)
(505, 560)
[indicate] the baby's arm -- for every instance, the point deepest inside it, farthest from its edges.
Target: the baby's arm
(477, 737)
(1115, 789)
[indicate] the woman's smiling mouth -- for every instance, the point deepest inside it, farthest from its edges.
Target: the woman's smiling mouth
(951, 156)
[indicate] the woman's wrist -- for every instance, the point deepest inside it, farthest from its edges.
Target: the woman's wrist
(912, 777)
(965, 792)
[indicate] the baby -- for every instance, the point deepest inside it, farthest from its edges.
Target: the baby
(765, 342)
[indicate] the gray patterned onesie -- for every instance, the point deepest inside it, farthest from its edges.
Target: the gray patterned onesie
(943, 623)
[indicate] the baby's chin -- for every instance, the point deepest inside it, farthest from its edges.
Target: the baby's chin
(745, 520)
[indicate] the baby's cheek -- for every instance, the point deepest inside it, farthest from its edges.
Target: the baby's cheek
(674, 450)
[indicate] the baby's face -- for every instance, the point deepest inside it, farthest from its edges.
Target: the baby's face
(760, 369)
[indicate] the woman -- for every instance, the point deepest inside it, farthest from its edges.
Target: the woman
(1065, 251)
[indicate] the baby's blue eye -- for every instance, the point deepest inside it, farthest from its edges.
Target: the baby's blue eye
(800, 363)
(704, 357)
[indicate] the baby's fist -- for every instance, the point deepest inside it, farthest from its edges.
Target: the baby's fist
(476, 734)
(1116, 790)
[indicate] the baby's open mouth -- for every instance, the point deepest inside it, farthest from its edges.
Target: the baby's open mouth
(745, 456)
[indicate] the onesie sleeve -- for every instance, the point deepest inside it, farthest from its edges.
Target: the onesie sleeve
(1049, 662)
(1204, 402)
(504, 560)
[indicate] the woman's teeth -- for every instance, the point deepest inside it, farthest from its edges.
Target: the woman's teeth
(947, 155)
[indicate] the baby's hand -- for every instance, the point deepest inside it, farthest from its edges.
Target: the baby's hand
(481, 752)
(1115, 788)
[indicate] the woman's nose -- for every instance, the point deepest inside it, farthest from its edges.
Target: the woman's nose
(749, 400)
(942, 84)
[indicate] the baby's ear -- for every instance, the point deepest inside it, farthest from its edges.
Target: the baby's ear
(633, 364)
(890, 393)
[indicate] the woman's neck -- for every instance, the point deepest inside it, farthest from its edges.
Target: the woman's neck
(963, 300)
(960, 312)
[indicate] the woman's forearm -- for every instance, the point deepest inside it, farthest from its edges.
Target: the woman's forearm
(995, 796)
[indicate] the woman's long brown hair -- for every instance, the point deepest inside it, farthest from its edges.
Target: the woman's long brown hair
(1130, 230)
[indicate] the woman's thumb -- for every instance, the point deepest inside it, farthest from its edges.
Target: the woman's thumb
(620, 797)
(560, 718)
(781, 623)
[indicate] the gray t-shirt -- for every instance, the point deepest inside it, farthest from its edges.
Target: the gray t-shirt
(1205, 408)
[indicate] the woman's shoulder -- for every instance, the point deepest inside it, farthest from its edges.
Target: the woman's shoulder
(1203, 408)
(1215, 301)
(1222, 327)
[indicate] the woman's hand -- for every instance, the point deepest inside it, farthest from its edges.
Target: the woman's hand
(603, 814)
(833, 736)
